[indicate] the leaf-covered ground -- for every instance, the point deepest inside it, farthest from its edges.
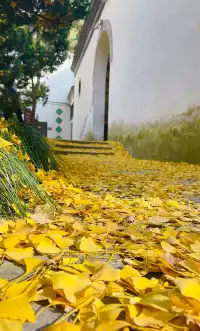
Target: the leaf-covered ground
(120, 251)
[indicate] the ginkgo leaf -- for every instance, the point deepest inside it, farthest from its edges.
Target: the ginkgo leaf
(109, 313)
(82, 202)
(153, 318)
(114, 326)
(128, 272)
(132, 312)
(143, 283)
(96, 291)
(28, 288)
(9, 325)
(167, 247)
(156, 300)
(32, 263)
(64, 326)
(107, 273)
(3, 226)
(88, 245)
(46, 293)
(196, 246)
(70, 284)
(12, 240)
(111, 226)
(113, 289)
(46, 248)
(97, 229)
(19, 254)
(70, 260)
(174, 204)
(158, 220)
(189, 287)
(61, 242)
(17, 308)
(17, 288)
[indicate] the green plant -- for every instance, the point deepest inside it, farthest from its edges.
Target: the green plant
(35, 145)
(90, 137)
(14, 178)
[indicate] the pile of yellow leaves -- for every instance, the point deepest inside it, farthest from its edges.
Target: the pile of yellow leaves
(120, 252)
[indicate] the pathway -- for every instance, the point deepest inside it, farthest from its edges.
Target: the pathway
(131, 225)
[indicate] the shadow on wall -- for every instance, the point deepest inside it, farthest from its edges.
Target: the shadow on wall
(177, 140)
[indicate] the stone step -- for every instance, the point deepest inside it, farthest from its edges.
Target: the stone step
(73, 152)
(67, 146)
(81, 142)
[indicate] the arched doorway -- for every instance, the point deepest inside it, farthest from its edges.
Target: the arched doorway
(101, 88)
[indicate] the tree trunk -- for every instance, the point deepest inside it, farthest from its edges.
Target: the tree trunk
(34, 99)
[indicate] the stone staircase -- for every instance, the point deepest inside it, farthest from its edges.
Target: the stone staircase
(65, 147)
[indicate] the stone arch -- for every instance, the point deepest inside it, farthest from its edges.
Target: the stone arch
(101, 81)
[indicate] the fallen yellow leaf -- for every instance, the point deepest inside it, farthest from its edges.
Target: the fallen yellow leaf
(107, 273)
(88, 245)
(17, 308)
(64, 326)
(70, 284)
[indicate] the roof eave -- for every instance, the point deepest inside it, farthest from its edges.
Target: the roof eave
(87, 32)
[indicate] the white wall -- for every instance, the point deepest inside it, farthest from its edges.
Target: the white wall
(48, 114)
(155, 70)
(59, 84)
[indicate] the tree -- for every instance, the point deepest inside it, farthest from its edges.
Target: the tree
(33, 57)
(51, 14)
(36, 91)
(74, 35)
(34, 37)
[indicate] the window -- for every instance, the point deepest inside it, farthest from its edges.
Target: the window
(79, 87)
(71, 112)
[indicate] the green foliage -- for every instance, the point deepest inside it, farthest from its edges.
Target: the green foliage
(34, 37)
(41, 93)
(9, 101)
(90, 137)
(74, 36)
(177, 141)
(50, 14)
(24, 55)
(14, 177)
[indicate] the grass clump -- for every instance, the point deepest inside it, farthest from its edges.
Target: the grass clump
(36, 146)
(15, 178)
